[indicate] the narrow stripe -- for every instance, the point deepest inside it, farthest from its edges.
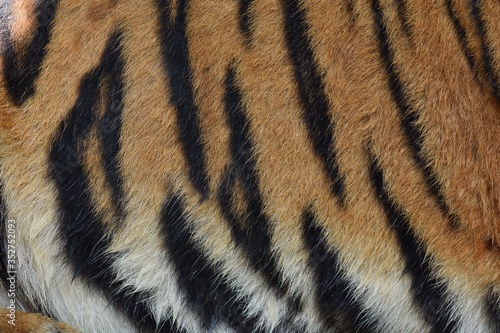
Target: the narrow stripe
(21, 70)
(461, 34)
(403, 17)
(409, 117)
(176, 64)
(110, 125)
(251, 232)
(429, 292)
(334, 294)
(86, 242)
(350, 9)
(206, 290)
(488, 61)
(245, 20)
(312, 94)
(493, 307)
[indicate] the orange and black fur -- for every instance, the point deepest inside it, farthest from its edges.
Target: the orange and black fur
(250, 166)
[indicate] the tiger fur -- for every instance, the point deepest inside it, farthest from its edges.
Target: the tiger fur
(250, 166)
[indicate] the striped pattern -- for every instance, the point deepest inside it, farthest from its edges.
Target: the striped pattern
(335, 205)
(429, 293)
(312, 95)
(22, 68)
(86, 242)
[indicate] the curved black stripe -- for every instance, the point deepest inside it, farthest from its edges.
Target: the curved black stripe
(312, 93)
(429, 292)
(207, 291)
(86, 242)
(245, 20)
(486, 48)
(461, 35)
(176, 63)
(334, 293)
(110, 126)
(409, 116)
(251, 232)
(493, 307)
(21, 69)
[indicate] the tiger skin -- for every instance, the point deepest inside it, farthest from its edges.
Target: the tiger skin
(250, 166)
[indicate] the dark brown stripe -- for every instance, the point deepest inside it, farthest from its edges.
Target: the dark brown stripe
(403, 17)
(461, 35)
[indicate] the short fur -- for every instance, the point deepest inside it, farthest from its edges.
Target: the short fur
(251, 166)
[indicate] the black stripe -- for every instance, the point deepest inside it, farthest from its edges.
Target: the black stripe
(409, 116)
(207, 291)
(110, 126)
(350, 7)
(252, 231)
(486, 48)
(334, 293)
(3, 239)
(461, 35)
(493, 307)
(245, 20)
(403, 16)
(86, 242)
(22, 69)
(312, 93)
(429, 292)
(176, 63)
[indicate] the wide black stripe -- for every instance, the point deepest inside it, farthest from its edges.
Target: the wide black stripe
(429, 292)
(110, 125)
(21, 69)
(409, 116)
(176, 63)
(334, 293)
(85, 240)
(245, 20)
(207, 291)
(461, 34)
(493, 307)
(488, 61)
(312, 93)
(3, 239)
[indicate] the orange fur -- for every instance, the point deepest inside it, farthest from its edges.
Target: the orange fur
(458, 114)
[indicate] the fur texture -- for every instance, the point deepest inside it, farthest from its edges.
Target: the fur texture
(251, 166)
